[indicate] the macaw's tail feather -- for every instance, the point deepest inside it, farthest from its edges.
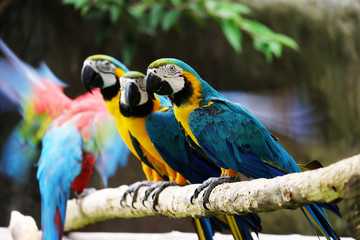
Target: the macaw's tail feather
(331, 207)
(241, 227)
(317, 217)
(52, 228)
(56, 171)
(203, 228)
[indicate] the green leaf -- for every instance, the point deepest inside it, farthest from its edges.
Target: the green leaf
(255, 28)
(263, 46)
(84, 10)
(155, 15)
(77, 4)
(196, 7)
(268, 48)
(114, 14)
(226, 10)
(238, 7)
(276, 48)
(137, 10)
(170, 19)
(176, 2)
(286, 41)
(232, 33)
(260, 30)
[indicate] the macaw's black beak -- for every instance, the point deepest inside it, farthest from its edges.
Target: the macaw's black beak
(90, 78)
(155, 84)
(132, 94)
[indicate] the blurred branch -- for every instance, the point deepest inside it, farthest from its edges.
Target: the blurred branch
(261, 195)
(23, 227)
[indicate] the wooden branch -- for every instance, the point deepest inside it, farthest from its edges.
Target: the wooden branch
(352, 205)
(260, 195)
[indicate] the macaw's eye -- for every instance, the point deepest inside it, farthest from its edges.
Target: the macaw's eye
(171, 69)
(105, 65)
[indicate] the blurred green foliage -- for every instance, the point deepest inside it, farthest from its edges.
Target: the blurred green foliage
(149, 16)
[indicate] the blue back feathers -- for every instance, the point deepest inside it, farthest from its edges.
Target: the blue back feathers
(57, 170)
(235, 139)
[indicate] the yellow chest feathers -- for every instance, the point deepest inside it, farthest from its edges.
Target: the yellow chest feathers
(183, 111)
(182, 115)
(133, 125)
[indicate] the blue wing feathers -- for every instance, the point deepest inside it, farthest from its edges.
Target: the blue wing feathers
(108, 146)
(233, 137)
(165, 133)
(246, 134)
(112, 156)
(18, 156)
(57, 170)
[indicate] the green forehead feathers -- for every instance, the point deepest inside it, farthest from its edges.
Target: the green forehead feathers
(133, 74)
(160, 62)
(163, 61)
(110, 59)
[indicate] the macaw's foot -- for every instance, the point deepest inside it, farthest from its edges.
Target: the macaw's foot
(133, 190)
(84, 193)
(157, 188)
(208, 186)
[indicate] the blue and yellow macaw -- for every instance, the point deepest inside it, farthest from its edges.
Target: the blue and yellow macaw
(75, 135)
(168, 139)
(136, 115)
(228, 133)
(102, 71)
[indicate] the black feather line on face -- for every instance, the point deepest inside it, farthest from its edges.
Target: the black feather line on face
(137, 111)
(110, 92)
(183, 95)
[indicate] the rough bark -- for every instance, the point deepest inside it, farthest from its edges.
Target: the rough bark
(352, 205)
(260, 195)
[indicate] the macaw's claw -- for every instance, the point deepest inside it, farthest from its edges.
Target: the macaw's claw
(208, 186)
(157, 188)
(133, 190)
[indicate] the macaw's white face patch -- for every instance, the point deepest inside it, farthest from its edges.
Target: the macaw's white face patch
(172, 74)
(106, 70)
(140, 83)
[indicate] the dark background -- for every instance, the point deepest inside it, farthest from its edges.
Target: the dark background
(326, 68)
